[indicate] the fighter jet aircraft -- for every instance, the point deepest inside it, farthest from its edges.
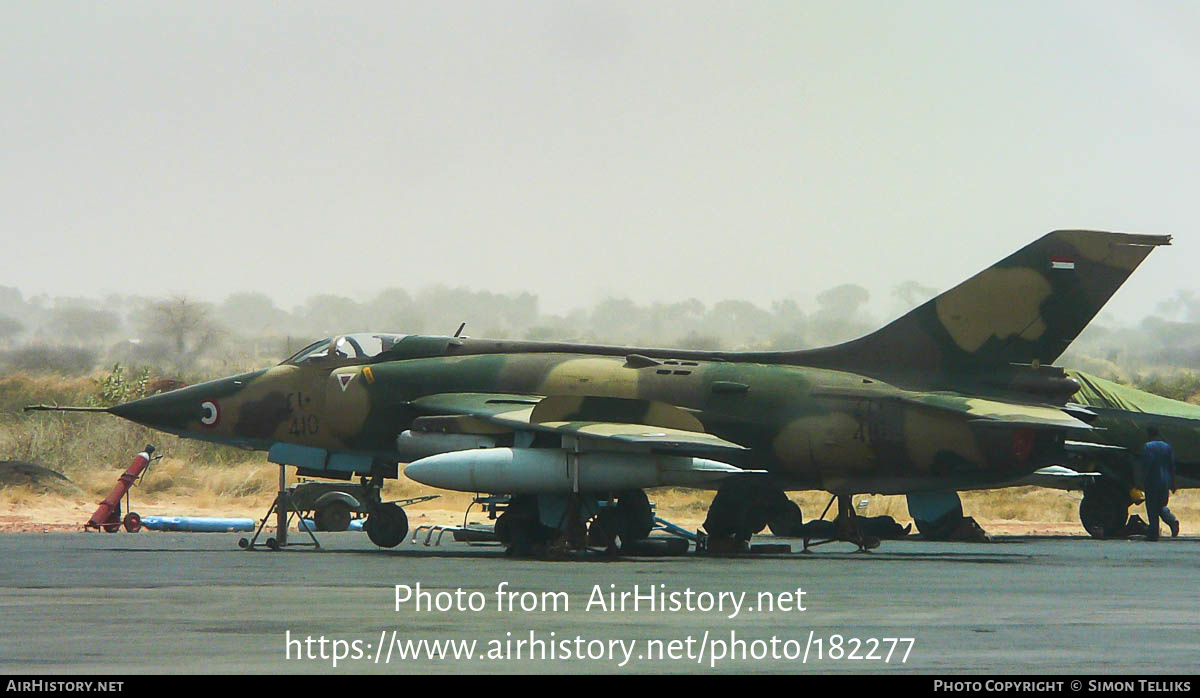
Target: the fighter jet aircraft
(1123, 416)
(957, 393)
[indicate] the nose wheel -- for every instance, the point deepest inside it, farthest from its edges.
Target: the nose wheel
(387, 525)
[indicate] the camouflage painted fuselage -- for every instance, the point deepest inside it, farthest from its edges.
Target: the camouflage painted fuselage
(811, 427)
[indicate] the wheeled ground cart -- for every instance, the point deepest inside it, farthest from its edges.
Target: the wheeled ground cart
(108, 517)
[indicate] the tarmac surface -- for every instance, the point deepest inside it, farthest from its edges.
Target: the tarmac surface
(195, 603)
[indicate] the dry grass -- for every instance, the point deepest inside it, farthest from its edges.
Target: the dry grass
(1022, 504)
(20, 389)
(77, 444)
(18, 497)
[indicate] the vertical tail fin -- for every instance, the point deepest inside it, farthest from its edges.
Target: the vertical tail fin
(1024, 309)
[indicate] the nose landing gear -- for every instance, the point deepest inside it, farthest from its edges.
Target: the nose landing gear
(387, 525)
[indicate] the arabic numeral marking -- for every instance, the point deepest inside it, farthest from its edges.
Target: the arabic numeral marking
(874, 643)
(835, 646)
(857, 646)
(893, 641)
(304, 425)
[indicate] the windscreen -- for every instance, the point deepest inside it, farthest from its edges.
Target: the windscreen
(359, 346)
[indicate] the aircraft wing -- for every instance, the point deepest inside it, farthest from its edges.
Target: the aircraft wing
(984, 412)
(1059, 478)
(652, 426)
(1089, 448)
(1056, 477)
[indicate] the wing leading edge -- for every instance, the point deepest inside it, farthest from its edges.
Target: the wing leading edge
(654, 426)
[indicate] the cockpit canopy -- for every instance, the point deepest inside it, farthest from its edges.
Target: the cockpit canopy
(360, 346)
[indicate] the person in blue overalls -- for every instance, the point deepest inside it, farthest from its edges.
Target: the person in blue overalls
(1158, 461)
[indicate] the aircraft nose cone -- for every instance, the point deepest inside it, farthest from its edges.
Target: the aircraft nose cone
(196, 407)
(171, 410)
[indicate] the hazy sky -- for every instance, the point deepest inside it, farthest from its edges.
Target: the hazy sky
(656, 150)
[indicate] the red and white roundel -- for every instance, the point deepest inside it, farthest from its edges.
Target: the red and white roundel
(212, 413)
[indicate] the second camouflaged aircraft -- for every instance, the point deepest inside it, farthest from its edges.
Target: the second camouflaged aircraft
(957, 393)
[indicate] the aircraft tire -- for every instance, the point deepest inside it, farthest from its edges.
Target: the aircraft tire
(634, 518)
(1104, 510)
(519, 529)
(503, 529)
(786, 521)
(736, 511)
(387, 526)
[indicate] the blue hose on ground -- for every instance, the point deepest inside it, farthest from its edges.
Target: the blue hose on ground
(197, 524)
(355, 525)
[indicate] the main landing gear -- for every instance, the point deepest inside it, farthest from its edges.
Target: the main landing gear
(556, 525)
(745, 506)
(520, 529)
(739, 510)
(1104, 510)
(629, 520)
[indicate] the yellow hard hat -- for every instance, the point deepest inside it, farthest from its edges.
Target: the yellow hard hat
(1137, 495)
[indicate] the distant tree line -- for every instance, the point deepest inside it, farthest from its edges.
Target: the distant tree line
(179, 335)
